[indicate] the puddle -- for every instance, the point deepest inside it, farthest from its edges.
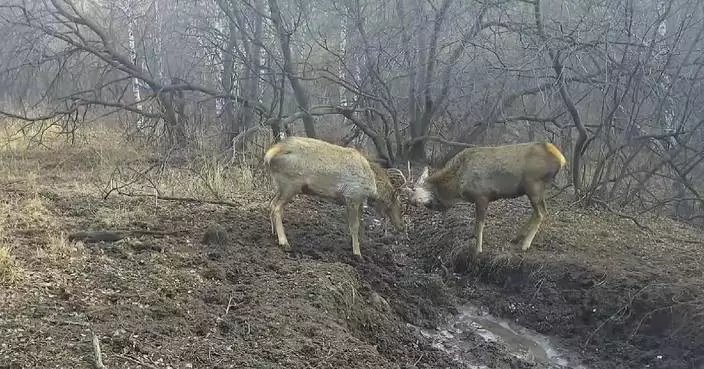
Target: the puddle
(521, 342)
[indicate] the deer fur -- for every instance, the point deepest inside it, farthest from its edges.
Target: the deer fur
(339, 174)
(481, 175)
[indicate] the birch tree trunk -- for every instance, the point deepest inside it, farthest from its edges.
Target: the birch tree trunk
(129, 13)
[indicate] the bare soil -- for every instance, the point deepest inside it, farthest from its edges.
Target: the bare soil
(168, 299)
(622, 296)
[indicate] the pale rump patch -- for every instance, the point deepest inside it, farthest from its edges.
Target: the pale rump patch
(272, 152)
(556, 153)
(422, 195)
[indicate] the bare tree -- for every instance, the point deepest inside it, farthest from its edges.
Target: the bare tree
(615, 84)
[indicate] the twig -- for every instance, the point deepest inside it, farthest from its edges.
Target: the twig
(622, 215)
(221, 318)
(117, 188)
(94, 339)
(622, 309)
(98, 354)
(656, 310)
(68, 322)
(229, 305)
(182, 199)
(419, 359)
(134, 360)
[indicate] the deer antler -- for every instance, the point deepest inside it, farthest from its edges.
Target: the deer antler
(398, 174)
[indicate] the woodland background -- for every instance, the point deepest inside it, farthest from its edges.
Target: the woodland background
(617, 85)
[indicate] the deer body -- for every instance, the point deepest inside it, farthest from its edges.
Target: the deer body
(339, 174)
(481, 175)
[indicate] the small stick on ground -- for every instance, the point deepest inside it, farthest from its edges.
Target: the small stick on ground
(415, 365)
(182, 199)
(220, 318)
(67, 322)
(229, 305)
(98, 354)
(137, 361)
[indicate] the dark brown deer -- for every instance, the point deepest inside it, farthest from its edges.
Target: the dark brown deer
(481, 175)
(341, 174)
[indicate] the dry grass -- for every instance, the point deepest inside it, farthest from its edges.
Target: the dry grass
(58, 249)
(39, 166)
(101, 160)
(10, 271)
(220, 181)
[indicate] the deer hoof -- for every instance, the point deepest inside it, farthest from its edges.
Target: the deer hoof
(285, 246)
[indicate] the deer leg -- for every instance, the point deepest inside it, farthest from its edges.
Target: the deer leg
(277, 208)
(353, 213)
(539, 212)
(480, 206)
(271, 212)
(522, 232)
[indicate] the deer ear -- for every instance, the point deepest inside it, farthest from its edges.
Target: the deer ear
(424, 176)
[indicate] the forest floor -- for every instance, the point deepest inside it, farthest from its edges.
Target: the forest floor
(166, 297)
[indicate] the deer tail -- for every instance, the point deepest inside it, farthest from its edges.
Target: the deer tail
(552, 149)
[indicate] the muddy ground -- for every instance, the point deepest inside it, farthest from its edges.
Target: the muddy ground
(622, 297)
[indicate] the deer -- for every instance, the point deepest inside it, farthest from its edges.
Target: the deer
(481, 175)
(342, 175)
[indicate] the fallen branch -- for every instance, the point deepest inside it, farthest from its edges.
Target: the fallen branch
(182, 199)
(113, 236)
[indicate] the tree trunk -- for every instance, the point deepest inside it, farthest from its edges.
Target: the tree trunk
(254, 68)
(566, 99)
(289, 69)
(227, 78)
(133, 57)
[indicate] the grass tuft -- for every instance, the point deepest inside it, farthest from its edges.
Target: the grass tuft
(10, 271)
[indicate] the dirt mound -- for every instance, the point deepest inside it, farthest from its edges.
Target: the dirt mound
(625, 298)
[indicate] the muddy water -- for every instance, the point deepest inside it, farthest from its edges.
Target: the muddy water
(521, 342)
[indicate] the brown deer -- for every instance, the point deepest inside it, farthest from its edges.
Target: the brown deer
(481, 175)
(339, 174)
